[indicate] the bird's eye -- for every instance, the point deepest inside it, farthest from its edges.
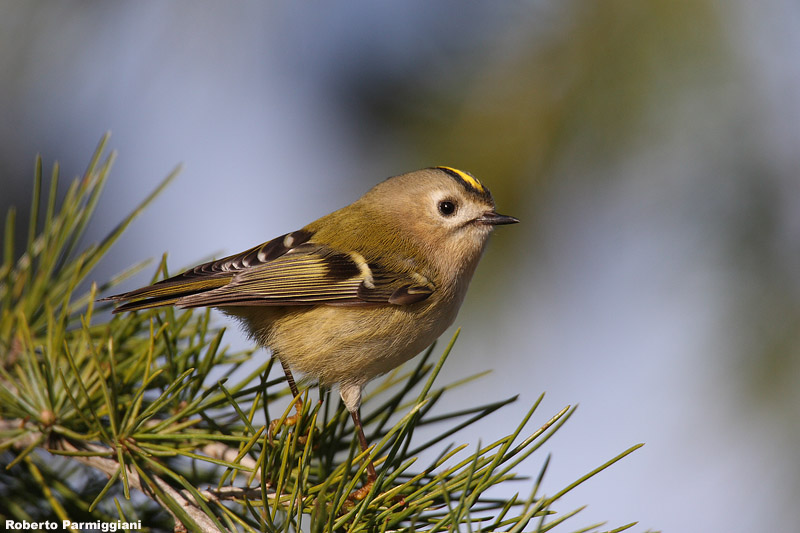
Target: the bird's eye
(447, 207)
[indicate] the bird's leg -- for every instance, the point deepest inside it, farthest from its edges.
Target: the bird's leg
(351, 395)
(298, 403)
(361, 493)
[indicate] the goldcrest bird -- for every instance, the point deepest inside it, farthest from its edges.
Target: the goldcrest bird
(357, 292)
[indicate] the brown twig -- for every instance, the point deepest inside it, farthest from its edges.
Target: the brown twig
(109, 466)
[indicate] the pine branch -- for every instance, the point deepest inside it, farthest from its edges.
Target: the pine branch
(149, 416)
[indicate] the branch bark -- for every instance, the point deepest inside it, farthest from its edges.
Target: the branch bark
(109, 466)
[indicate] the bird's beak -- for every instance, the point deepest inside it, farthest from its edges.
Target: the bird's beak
(494, 219)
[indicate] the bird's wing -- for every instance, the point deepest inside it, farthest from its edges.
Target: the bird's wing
(288, 270)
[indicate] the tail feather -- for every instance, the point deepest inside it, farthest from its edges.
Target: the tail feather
(144, 304)
(166, 292)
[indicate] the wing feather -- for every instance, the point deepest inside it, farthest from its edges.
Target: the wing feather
(288, 270)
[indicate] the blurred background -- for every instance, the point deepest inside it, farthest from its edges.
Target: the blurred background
(650, 149)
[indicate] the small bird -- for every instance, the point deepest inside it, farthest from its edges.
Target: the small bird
(355, 293)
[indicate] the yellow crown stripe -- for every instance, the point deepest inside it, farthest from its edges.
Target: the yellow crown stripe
(469, 180)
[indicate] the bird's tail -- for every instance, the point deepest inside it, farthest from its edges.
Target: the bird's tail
(166, 292)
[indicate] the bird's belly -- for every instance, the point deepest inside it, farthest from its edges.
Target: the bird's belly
(339, 344)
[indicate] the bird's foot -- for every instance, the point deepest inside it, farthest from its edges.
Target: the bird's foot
(359, 494)
(275, 425)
